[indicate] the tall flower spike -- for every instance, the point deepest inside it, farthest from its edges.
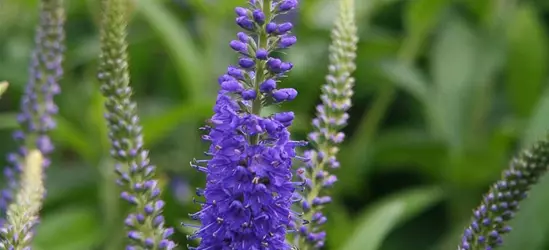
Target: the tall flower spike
(490, 219)
(22, 215)
(249, 189)
(331, 117)
(146, 229)
(37, 103)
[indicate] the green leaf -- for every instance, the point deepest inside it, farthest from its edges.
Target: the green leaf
(526, 60)
(321, 13)
(156, 128)
(378, 221)
(8, 121)
(180, 45)
(538, 124)
(407, 78)
(421, 16)
(68, 229)
(73, 137)
(68, 180)
(452, 66)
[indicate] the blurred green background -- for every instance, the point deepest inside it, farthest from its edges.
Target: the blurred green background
(446, 92)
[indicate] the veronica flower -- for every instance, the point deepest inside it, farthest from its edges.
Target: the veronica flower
(501, 203)
(249, 189)
(22, 215)
(37, 104)
(331, 117)
(146, 229)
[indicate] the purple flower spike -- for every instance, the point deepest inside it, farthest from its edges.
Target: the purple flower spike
(145, 224)
(267, 86)
(232, 86)
(241, 11)
(246, 62)
(243, 37)
(285, 27)
(287, 41)
(259, 17)
(330, 118)
(282, 95)
(37, 108)
(238, 46)
(271, 28)
(249, 94)
(249, 192)
(245, 23)
(262, 54)
(287, 5)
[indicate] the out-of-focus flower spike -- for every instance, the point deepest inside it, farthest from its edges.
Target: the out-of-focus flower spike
(3, 87)
(22, 215)
(145, 225)
(490, 220)
(37, 106)
(330, 119)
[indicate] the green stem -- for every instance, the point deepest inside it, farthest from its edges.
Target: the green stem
(260, 64)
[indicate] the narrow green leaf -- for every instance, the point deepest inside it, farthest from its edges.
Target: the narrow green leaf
(526, 59)
(321, 13)
(538, 124)
(156, 128)
(73, 137)
(452, 66)
(68, 229)
(378, 221)
(422, 15)
(180, 45)
(407, 78)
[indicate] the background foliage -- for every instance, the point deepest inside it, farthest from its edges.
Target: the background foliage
(447, 90)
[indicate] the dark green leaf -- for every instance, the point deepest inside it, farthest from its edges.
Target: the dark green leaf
(378, 221)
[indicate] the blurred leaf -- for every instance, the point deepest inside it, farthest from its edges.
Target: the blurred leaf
(76, 139)
(67, 179)
(452, 64)
(408, 78)
(156, 128)
(538, 124)
(421, 16)
(180, 44)
(378, 221)
(321, 13)
(69, 228)
(527, 59)
(409, 147)
(8, 121)
(97, 123)
(338, 225)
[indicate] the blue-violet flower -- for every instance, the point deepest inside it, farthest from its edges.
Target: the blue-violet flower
(249, 189)
(37, 104)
